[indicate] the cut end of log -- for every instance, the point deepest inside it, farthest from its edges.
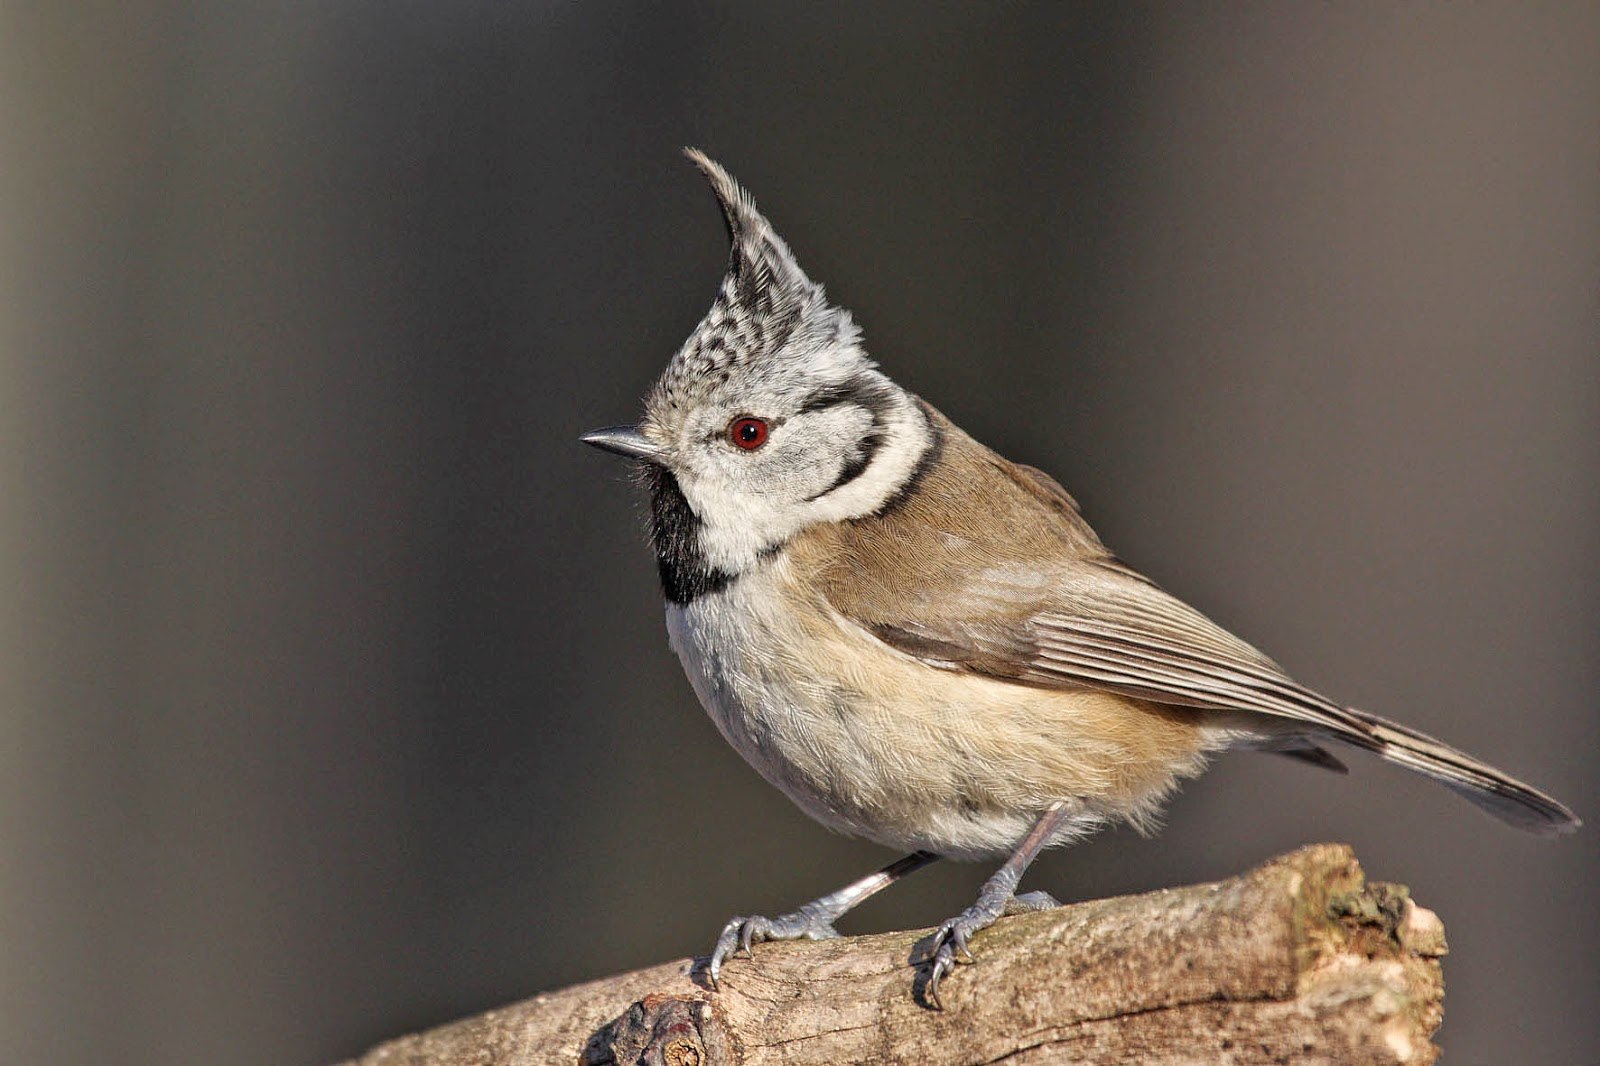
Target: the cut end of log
(1300, 959)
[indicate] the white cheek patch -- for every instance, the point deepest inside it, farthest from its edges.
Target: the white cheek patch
(737, 526)
(741, 525)
(848, 438)
(906, 439)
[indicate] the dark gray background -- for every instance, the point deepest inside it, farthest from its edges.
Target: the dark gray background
(334, 696)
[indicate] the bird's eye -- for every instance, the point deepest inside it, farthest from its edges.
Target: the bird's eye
(747, 433)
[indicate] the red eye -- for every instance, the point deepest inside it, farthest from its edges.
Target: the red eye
(748, 433)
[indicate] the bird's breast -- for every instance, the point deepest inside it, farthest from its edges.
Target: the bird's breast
(875, 743)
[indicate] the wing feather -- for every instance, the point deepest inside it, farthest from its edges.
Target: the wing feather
(989, 568)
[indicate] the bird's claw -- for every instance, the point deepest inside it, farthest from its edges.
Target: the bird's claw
(951, 943)
(740, 933)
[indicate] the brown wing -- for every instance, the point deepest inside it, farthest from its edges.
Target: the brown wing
(988, 567)
(1102, 629)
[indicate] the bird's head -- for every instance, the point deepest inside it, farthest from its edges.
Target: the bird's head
(770, 417)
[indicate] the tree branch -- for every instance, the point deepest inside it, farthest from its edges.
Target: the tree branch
(1297, 960)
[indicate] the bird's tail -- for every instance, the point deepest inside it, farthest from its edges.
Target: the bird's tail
(1506, 798)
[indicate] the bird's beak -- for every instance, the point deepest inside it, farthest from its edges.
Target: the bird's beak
(624, 440)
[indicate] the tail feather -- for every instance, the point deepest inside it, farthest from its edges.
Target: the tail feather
(1506, 798)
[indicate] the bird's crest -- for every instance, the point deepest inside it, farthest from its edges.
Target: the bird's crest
(766, 306)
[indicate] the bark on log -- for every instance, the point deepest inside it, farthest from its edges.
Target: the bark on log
(1299, 960)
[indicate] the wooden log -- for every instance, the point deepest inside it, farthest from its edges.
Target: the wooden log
(1299, 960)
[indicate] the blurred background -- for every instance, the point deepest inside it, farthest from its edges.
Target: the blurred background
(334, 695)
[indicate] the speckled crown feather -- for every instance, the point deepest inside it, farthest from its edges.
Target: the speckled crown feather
(765, 306)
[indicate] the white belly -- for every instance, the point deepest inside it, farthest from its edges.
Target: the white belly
(873, 743)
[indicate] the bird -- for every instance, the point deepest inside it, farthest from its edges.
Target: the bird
(923, 643)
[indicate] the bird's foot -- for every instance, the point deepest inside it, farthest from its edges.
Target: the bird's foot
(952, 937)
(737, 936)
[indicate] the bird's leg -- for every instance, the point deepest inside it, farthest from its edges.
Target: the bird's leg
(814, 921)
(997, 897)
